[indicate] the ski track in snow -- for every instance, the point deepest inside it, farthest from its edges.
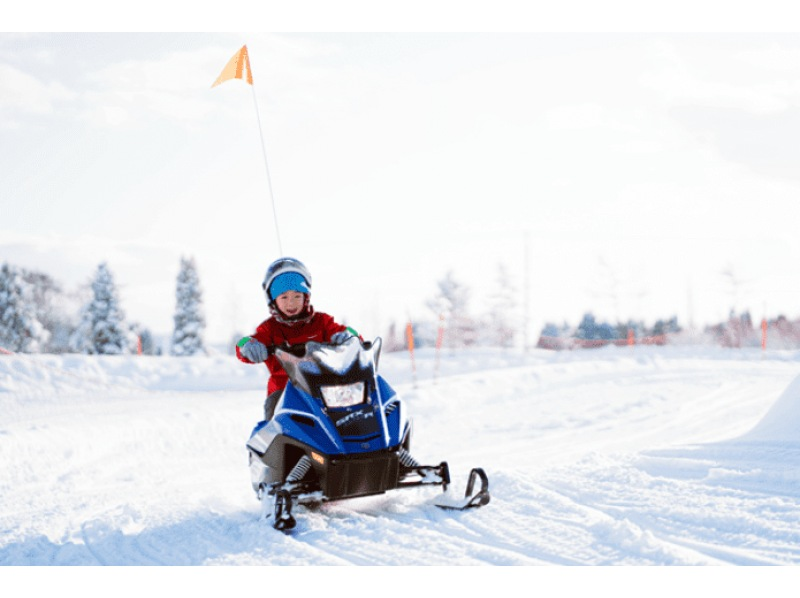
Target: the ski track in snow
(617, 456)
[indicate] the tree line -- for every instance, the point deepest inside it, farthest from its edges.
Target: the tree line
(451, 323)
(38, 316)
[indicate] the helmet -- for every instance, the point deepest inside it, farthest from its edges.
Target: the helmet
(283, 266)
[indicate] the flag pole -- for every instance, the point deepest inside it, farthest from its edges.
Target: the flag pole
(238, 67)
(266, 168)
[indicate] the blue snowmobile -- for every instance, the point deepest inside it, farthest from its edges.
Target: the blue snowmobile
(339, 431)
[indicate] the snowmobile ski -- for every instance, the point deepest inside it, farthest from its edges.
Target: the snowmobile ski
(284, 520)
(470, 500)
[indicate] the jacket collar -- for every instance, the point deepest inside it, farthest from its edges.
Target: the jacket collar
(302, 318)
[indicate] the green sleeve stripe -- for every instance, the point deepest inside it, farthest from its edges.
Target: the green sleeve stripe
(352, 331)
(242, 342)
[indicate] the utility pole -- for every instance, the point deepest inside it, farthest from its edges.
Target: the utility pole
(526, 294)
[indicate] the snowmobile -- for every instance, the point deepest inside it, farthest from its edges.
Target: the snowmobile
(340, 431)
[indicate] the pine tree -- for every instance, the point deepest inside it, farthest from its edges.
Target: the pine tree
(102, 330)
(20, 330)
(187, 338)
(51, 309)
(591, 329)
(145, 342)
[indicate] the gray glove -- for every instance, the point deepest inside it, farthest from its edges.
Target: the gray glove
(255, 351)
(337, 338)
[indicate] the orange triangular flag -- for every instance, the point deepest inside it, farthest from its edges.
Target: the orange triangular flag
(238, 67)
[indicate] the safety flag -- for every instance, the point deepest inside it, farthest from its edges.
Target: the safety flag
(238, 67)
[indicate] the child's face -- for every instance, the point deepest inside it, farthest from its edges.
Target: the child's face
(290, 302)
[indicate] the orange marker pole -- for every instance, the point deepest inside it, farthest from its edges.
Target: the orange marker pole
(410, 343)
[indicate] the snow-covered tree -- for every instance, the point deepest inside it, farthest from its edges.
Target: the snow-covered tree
(503, 319)
(187, 337)
(102, 329)
(591, 329)
(145, 342)
(671, 326)
(55, 309)
(20, 330)
(451, 303)
(393, 340)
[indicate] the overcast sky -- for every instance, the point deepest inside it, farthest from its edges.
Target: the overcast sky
(623, 173)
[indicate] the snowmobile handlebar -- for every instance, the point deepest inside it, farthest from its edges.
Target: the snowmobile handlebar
(299, 349)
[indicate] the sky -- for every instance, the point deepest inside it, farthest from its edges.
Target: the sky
(632, 172)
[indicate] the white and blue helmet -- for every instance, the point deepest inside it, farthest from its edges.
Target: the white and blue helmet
(286, 274)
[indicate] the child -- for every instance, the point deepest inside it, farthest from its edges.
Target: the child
(287, 285)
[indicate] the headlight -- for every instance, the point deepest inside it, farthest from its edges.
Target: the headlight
(345, 395)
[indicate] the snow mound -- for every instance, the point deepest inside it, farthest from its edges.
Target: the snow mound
(781, 424)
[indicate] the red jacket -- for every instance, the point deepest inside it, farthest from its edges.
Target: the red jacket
(319, 327)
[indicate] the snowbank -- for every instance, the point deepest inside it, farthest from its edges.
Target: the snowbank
(782, 423)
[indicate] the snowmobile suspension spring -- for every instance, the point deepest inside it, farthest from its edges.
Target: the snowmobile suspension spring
(299, 470)
(406, 460)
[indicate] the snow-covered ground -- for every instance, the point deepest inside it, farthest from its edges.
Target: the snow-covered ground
(616, 456)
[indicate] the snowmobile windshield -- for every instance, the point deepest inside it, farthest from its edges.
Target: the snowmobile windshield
(332, 372)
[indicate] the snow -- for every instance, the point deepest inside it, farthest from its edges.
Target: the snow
(615, 456)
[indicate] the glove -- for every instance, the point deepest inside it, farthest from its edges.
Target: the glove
(254, 351)
(337, 338)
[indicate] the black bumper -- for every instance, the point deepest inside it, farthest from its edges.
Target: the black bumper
(358, 475)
